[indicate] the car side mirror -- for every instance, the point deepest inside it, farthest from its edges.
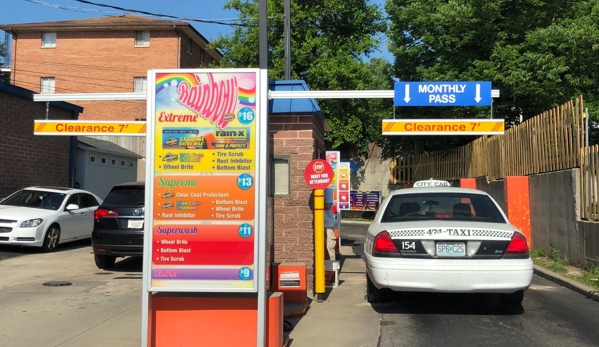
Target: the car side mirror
(72, 207)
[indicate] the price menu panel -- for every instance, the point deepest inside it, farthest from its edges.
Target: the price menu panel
(204, 154)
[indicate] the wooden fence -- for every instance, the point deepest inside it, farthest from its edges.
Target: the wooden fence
(553, 140)
(589, 186)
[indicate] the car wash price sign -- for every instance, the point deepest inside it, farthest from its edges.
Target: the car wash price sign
(203, 213)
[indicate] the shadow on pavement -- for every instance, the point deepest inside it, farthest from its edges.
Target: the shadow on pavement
(445, 303)
(17, 251)
(133, 265)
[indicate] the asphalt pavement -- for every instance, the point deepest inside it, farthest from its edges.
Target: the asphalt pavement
(103, 308)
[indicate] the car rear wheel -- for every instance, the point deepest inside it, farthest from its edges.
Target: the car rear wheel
(104, 261)
(51, 239)
(512, 298)
(373, 294)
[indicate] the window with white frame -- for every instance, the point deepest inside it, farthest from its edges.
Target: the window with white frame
(189, 42)
(47, 85)
(202, 56)
(142, 38)
(140, 84)
(49, 39)
(280, 176)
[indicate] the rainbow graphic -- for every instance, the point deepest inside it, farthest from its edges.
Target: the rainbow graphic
(247, 97)
(173, 79)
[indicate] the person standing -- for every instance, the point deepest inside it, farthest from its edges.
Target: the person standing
(329, 222)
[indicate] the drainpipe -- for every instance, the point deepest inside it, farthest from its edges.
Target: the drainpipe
(177, 58)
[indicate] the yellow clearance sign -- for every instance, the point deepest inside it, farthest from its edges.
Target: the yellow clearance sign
(443, 126)
(113, 128)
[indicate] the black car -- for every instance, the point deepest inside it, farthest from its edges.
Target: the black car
(119, 224)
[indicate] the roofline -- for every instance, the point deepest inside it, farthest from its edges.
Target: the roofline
(41, 26)
(84, 146)
(28, 94)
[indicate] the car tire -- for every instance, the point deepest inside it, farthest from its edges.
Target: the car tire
(51, 239)
(373, 294)
(104, 261)
(512, 298)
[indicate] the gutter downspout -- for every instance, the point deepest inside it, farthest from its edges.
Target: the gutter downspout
(177, 50)
(13, 53)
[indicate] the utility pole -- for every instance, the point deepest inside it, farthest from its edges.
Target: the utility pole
(263, 34)
(287, 26)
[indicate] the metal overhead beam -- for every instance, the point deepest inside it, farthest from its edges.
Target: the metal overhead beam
(296, 94)
(90, 96)
(341, 94)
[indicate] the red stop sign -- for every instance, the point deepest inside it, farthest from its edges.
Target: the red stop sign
(318, 174)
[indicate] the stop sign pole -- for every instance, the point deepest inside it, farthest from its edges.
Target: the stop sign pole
(318, 175)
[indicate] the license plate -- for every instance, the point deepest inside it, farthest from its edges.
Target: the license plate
(451, 249)
(135, 223)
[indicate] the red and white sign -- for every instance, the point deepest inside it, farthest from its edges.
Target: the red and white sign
(318, 174)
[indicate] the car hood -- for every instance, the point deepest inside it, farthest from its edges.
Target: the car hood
(20, 213)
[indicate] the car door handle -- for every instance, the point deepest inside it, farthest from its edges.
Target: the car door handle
(82, 213)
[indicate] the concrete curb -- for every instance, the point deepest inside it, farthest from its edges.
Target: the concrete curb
(583, 289)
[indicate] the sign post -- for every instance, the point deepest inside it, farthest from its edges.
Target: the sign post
(318, 175)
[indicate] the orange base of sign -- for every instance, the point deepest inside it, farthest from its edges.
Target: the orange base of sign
(213, 321)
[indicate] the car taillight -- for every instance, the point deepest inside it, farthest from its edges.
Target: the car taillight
(384, 245)
(517, 246)
(100, 213)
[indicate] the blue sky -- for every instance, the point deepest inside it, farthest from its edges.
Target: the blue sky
(29, 11)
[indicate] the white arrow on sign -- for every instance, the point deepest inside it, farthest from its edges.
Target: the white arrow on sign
(477, 98)
(407, 94)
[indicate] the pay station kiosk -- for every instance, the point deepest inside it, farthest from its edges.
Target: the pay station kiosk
(205, 252)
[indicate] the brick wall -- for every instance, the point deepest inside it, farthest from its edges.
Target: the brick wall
(99, 62)
(26, 159)
(299, 136)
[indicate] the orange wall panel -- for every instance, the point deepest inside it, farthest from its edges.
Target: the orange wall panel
(518, 203)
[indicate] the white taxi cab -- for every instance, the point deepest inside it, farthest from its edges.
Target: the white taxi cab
(438, 238)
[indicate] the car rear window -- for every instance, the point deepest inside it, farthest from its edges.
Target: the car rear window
(442, 206)
(126, 196)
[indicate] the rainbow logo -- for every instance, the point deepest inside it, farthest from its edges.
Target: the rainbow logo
(247, 97)
(173, 80)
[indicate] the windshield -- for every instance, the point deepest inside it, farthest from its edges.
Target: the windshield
(442, 206)
(35, 199)
(126, 196)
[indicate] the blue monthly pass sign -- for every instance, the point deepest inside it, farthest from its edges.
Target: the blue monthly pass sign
(442, 94)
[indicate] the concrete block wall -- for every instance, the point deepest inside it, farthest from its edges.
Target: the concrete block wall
(300, 137)
(27, 159)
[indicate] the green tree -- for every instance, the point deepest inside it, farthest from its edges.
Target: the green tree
(330, 39)
(3, 76)
(538, 53)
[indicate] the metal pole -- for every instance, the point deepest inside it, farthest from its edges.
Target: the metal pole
(263, 33)
(319, 242)
(287, 12)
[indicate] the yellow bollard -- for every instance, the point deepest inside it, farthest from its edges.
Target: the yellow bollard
(319, 285)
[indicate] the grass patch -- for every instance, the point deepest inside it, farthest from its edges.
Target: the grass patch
(561, 264)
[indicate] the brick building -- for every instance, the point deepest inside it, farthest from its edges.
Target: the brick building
(113, 54)
(296, 136)
(103, 55)
(26, 159)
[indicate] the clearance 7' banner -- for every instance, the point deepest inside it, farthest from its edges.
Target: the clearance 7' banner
(443, 126)
(202, 211)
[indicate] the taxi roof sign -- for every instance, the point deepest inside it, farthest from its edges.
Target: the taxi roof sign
(431, 183)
